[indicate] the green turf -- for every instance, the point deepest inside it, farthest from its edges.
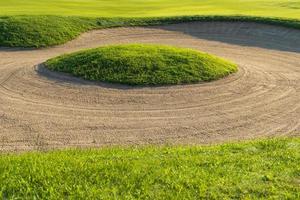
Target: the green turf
(44, 31)
(268, 169)
(36, 29)
(137, 64)
(150, 8)
(41, 31)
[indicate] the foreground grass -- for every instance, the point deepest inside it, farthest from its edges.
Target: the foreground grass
(137, 64)
(151, 8)
(268, 169)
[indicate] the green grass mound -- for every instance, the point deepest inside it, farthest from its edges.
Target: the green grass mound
(268, 169)
(136, 64)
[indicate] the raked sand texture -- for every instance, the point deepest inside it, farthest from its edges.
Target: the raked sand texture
(40, 109)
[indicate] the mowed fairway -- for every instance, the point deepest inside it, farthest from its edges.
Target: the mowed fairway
(142, 8)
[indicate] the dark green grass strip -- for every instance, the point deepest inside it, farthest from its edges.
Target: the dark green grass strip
(138, 64)
(267, 169)
(44, 31)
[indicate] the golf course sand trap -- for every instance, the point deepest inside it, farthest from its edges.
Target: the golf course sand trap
(40, 109)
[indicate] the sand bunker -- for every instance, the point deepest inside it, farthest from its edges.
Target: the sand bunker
(44, 110)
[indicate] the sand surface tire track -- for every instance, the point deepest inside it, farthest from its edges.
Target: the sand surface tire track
(41, 110)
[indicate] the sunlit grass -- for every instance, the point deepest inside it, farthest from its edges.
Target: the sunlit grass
(142, 8)
(140, 64)
(268, 169)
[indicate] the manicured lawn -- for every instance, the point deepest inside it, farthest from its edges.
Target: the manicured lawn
(138, 64)
(142, 8)
(29, 23)
(267, 169)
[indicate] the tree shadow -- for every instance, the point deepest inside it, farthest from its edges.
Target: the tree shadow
(248, 34)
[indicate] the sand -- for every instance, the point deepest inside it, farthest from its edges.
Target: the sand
(42, 110)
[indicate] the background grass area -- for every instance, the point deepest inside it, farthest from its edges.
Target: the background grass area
(268, 169)
(150, 8)
(26, 24)
(137, 64)
(44, 31)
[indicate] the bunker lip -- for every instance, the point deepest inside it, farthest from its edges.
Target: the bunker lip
(40, 31)
(260, 100)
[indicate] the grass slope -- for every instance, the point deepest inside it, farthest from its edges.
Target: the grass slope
(137, 64)
(151, 8)
(44, 31)
(41, 31)
(268, 169)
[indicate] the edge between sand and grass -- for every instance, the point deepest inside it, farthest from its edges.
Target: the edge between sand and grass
(45, 31)
(267, 169)
(143, 65)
